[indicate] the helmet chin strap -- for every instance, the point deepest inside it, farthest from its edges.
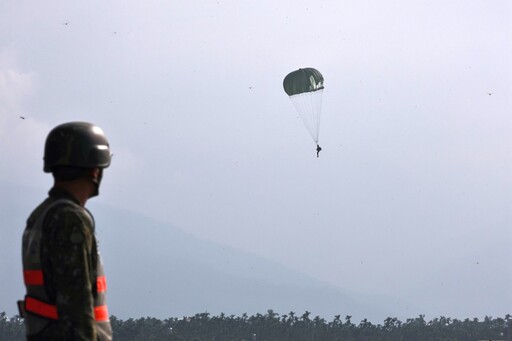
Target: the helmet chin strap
(96, 181)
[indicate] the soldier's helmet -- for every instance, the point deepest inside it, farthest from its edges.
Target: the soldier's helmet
(76, 144)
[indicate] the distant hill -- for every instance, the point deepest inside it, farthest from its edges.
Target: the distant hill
(157, 270)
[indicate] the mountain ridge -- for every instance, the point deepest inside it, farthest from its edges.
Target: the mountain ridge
(158, 270)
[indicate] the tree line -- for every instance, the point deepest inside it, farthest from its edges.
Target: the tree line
(275, 327)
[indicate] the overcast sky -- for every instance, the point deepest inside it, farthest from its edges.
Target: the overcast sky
(412, 193)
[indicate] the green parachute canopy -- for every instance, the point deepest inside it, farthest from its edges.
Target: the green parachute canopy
(305, 88)
(303, 80)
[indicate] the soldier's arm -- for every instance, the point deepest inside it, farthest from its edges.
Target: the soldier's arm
(73, 275)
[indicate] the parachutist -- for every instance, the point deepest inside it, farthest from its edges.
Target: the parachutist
(318, 149)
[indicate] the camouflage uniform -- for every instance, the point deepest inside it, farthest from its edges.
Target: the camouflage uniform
(69, 262)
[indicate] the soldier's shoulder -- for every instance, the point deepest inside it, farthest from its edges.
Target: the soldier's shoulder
(66, 219)
(66, 210)
(37, 212)
(67, 226)
(54, 208)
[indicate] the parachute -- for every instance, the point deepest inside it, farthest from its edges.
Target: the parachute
(305, 88)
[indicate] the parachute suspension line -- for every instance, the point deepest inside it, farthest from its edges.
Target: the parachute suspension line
(316, 100)
(309, 106)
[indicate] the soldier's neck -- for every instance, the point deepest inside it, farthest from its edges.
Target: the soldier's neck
(80, 189)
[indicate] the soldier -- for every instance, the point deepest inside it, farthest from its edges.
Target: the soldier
(62, 269)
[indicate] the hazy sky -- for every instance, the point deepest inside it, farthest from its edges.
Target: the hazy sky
(412, 193)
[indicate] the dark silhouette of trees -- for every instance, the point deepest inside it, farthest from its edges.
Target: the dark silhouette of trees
(274, 327)
(11, 328)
